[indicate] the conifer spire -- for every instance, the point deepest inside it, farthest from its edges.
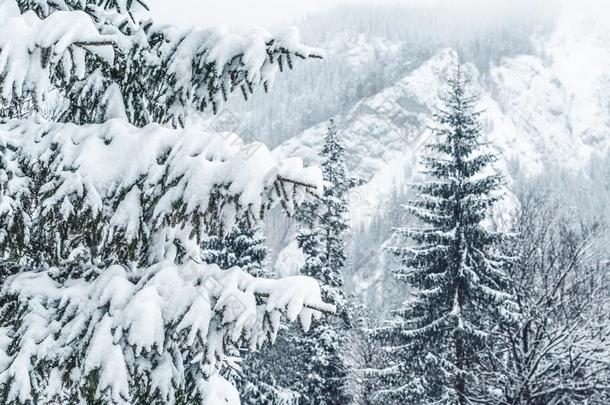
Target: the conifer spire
(451, 260)
(321, 237)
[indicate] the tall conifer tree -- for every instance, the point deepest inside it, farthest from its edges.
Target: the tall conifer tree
(321, 237)
(452, 262)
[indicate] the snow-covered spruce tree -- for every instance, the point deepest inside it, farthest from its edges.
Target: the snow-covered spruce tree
(105, 298)
(319, 375)
(242, 246)
(453, 263)
(324, 220)
(323, 224)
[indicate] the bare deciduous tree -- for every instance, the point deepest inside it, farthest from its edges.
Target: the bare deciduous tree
(558, 350)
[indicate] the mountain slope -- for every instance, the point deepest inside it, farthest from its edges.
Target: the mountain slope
(545, 110)
(549, 108)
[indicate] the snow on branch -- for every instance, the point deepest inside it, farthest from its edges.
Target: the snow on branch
(47, 7)
(205, 66)
(31, 47)
(161, 72)
(133, 192)
(154, 329)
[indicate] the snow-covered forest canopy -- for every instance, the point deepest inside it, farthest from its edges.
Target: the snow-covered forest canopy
(373, 203)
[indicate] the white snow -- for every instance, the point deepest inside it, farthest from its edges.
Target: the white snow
(110, 164)
(579, 50)
(289, 261)
(113, 103)
(220, 392)
(23, 37)
(8, 9)
(205, 302)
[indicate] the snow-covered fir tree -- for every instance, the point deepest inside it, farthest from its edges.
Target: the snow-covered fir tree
(324, 221)
(105, 295)
(320, 373)
(323, 224)
(453, 263)
(242, 246)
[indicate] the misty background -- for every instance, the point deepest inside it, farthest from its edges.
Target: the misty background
(540, 67)
(453, 248)
(542, 72)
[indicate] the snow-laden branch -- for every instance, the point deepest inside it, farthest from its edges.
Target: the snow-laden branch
(122, 193)
(206, 65)
(160, 325)
(160, 72)
(30, 48)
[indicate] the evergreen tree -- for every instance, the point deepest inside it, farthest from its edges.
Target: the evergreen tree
(321, 238)
(324, 221)
(243, 246)
(453, 263)
(104, 298)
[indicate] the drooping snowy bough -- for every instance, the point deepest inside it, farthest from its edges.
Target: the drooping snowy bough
(78, 199)
(91, 51)
(119, 194)
(104, 298)
(155, 335)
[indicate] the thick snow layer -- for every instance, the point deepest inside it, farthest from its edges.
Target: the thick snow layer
(29, 47)
(130, 325)
(220, 391)
(134, 179)
(289, 261)
(8, 9)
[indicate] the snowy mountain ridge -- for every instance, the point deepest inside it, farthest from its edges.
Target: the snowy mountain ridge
(552, 107)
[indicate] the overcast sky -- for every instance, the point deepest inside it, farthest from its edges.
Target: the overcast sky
(244, 14)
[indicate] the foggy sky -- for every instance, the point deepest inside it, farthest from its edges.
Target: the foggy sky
(245, 14)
